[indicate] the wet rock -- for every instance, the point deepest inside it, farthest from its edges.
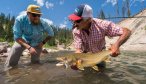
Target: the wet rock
(61, 47)
(44, 50)
(4, 55)
(25, 53)
(4, 48)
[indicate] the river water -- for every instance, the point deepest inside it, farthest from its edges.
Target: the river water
(127, 68)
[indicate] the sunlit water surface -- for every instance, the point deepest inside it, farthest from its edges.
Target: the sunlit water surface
(127, 68)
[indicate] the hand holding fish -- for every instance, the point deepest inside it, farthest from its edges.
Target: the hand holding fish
(115, 50)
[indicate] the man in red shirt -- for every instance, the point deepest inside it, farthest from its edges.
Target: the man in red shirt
(89, 33)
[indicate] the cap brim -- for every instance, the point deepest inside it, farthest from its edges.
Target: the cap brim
(35, 12)
(74, 17)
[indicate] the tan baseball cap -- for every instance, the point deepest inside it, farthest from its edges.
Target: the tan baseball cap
(34, 9)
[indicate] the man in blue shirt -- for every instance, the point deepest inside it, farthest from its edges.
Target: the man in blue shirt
(29, 32)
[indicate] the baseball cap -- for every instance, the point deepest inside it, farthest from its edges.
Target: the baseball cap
(34, 9)
(82, 11)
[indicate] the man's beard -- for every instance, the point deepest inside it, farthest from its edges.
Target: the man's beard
(36, 22)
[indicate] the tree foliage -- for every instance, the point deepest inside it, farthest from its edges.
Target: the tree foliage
(62, 36)
(101, 14)
(6, 23)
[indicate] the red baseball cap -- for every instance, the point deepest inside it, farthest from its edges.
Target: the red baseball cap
(81, 11)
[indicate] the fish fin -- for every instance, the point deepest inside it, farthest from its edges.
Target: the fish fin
(66, 64)
(95, 68)
(108, 59)
(60, 64)
(59, 59)
(79, 65)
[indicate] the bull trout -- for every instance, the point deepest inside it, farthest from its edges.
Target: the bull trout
(82, 60)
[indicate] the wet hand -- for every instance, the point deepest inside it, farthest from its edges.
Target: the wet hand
(115, 50)
(75, 65)
(32, 51)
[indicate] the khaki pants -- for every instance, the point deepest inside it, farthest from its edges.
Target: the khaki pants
(16, 52)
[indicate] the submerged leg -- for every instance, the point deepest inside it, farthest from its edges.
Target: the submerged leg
(14, 55)
(35, 58)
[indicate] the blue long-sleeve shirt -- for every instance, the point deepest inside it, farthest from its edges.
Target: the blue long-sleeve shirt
(32, 34)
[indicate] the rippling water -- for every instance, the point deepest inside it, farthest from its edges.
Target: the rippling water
(127, 68)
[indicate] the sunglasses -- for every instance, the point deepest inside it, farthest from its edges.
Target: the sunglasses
(78, 21)
(36, 15)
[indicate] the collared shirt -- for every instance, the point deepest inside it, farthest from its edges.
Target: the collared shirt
(95, 40)
(32, 34)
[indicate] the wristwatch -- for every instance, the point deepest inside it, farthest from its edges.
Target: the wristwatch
(43, 42)
(29, 48)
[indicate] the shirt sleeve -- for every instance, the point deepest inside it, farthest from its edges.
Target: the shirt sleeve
(17, 30)
(48, 29)
(77, 38)
(111, 29)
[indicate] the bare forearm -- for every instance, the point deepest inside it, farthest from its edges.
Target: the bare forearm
(46, 39)
(23, 43)
(123, 38)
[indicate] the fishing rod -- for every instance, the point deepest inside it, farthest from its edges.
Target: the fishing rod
(124, 17)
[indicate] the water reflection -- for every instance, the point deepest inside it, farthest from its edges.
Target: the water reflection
(128, 68)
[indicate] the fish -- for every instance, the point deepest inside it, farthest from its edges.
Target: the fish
(82, 60)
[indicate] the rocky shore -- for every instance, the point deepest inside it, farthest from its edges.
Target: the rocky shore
(5, 48)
